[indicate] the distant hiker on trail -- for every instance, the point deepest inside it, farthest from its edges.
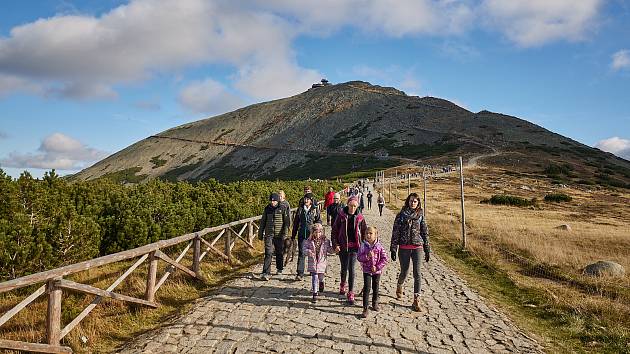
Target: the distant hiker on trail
(347, 234)
(329, 197)
(361, 202)
(333, 209)
(408, 235)
(317, 247)
(274, 226)
(369, 198)
(373, 259)
(381, 203)
(305, 217)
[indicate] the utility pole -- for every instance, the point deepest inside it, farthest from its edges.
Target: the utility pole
(461, 184)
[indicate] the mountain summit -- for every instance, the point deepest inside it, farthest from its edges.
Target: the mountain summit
(335, 129)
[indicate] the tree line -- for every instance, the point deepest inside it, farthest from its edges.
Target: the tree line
(50, 222)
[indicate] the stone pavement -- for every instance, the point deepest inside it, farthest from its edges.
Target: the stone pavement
(251, 315)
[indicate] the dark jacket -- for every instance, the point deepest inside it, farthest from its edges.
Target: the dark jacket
(274, 222)
(410, 229)
(287, 206)
(339, 233)
(303, 220)
(332, 211)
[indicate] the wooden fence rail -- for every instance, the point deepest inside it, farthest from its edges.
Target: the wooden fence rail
(54, 283)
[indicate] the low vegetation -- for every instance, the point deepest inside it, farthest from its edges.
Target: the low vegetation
(557, 198)
(504, 199)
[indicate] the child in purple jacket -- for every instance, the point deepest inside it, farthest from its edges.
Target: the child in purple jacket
(317, 248)
(373, 259)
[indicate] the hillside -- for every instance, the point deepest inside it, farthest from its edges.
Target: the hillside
(354, 126)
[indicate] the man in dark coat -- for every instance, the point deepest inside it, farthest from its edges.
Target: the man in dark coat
(274, 226)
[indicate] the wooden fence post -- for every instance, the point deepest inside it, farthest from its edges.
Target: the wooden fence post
(228, 252)
(152, 274)
(424, 194)
(53, 318)
(408, 183)
(461, 183)
(390, 189)
(196, 254)
(250, 232)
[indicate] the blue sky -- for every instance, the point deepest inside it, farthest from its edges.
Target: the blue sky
(80, 80)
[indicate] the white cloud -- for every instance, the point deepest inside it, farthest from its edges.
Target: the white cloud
(56, 151)
(621, 60)
(531, 23)
(615, 145)
(208, 96)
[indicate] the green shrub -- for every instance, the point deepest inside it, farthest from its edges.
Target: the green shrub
(557, 198)
(504, 199)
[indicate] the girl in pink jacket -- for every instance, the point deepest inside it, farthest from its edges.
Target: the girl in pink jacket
(373, 259)
(317, 248)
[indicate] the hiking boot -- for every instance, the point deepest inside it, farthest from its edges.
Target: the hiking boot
(321, 286)
(342, 289)
(350, 298)
(399, 292)
(416, 303)
(314, 298)
(365, 313)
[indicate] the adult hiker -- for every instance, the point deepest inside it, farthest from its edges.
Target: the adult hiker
(285, 203)
(409, 234)
(347, 234)
(274, 226)
(380, 200)
(307, 190)
(333, 209)
(305, 217)
(361, 202)
(369, 198)
(329, 197)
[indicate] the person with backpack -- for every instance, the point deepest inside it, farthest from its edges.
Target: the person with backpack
(347, 234)
(381, 203)
(333, 209)
(274, 226)
(305, 216)
(329, 198)
(409, 234)
(369, 199)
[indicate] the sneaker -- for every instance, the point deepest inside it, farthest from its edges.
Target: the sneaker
(365, 313)
(314, 298)
(321, 286)
(342, 289)
(298, 277)
(279, 272)
(375, 306)
(350, 298)
(266, 277)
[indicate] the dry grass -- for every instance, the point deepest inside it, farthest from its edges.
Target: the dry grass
(113, 322)
(539, 260)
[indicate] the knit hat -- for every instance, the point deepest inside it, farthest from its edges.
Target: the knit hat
(309, 196)
(353, 198)
(274, 196)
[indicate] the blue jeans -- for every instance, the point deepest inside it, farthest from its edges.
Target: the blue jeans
(301, 257)
(405, 256)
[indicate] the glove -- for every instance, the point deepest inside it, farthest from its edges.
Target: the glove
(393, 255)
(427, 253)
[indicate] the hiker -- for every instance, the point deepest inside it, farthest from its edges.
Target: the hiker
(333, 209)
(369, 198)
(307, 190)
(381, 203)
(274, 226)
(347, 234)
(328, 199)
(408, 235)
(305, 217)
(373, 259)
(285, 203)
(317, 248)
(361, 202)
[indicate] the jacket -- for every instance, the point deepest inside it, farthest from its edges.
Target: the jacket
(274, 222)
(332, 211)
(378, 258)
(303, 220)
(330, 198)
(339, 232)
(317, 264)
(410, 229)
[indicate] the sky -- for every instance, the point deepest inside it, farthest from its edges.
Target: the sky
(80, 80)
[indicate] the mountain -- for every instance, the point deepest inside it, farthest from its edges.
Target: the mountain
(332, 130)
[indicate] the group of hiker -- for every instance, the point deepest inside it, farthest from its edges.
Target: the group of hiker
(351, 239)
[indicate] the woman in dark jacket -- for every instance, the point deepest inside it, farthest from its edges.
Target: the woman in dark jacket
(305, 216)
(347, 235)
(409, 234)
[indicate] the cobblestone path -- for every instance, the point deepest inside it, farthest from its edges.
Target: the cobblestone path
(251, 315)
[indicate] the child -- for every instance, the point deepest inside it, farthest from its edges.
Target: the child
(317, 247)
(373, 259)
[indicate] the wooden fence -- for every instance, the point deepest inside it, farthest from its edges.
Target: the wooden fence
(54, 283)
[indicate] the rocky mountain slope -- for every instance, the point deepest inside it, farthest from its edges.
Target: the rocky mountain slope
(355, 126)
